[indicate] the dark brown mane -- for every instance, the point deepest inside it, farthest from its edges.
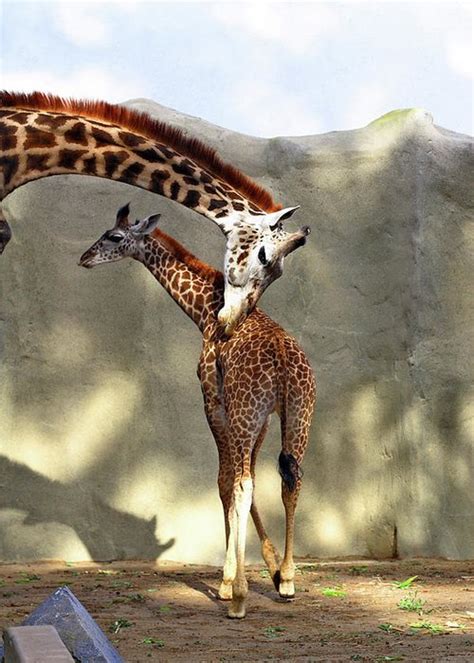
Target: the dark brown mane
(146, 126)
(183, 255)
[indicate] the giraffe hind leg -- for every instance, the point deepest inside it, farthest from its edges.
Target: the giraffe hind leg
(269, 552)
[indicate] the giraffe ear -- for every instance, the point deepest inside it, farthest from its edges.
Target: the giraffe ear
(122, 217)
(146, 226)
(275, 218)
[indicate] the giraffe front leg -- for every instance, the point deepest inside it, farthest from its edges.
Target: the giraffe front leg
(5, 233)
(230, 564)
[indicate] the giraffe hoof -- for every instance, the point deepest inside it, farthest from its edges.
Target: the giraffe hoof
(237, 609)
(287, 590)
(225, 592)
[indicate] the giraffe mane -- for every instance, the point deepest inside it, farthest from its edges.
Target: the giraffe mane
(182, 254)
(143, 124)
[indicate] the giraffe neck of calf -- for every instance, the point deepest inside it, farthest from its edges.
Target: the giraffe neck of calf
(198, 297)
(37, 144)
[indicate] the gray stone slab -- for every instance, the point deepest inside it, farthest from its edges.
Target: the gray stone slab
(34, 644)
(83, 638)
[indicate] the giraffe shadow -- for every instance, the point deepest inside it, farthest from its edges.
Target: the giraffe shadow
(106, 533)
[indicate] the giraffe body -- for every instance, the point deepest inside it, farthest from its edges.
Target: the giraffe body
(41, 136)
(244, 378)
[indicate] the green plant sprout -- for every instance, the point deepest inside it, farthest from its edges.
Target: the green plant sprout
(404, 584)
(334, 592)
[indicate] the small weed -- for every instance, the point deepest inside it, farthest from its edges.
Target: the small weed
(125, 584)
(164, 609)
(427, 626)
(304, 568)
(136, 598)
(119, 624)
(412, 603)
(358, 570)
(26, 578)
(387, 627)
(152, 589)
(153, 641)
(2, 583)
(404, 584)
(69, 564)
(106, 572)
(334, 592)
(264, 573)
(274, 631)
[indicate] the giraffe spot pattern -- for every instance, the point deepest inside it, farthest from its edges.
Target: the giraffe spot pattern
(67, 158)
(37, 162)
(112, 160)
(9, 166)
(8, 139)
(37, 138)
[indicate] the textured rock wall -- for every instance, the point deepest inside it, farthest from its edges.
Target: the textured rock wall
(104, 449)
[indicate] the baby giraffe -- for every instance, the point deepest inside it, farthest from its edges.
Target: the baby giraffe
(244, 378)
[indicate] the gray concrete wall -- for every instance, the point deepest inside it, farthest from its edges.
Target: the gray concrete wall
(104, 448)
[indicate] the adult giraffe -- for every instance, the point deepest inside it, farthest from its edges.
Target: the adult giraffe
(43, 135)
(244, 378)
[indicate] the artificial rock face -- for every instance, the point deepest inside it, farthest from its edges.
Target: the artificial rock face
(104, 449)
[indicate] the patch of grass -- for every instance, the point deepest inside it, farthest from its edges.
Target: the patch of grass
(304, 568)
(274, 631)
(164, 609)
(358, 570)
(119, 624)
(404, 584)
(264, 573)
(428, 626)
(125, 584)
(334, 592)
(136, 598)
(387, 627)
(26, 578)
(412, 603)
(157, 642)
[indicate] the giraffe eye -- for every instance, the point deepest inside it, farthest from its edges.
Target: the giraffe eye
(115, 238)
(262, 256)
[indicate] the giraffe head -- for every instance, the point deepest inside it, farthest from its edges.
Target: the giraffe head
(256, 250)
(122, 241)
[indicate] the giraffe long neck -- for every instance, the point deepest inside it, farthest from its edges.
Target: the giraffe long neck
(199, 297)
(36, 144)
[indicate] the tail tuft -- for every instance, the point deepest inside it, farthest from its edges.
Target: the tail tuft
(289, 470)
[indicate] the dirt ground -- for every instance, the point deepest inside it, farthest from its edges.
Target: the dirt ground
(345, 610)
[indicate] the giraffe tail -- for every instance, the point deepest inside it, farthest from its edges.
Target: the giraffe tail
(288, 466)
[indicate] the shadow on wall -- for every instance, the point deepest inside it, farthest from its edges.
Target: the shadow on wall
(105, 533)
(105, 417)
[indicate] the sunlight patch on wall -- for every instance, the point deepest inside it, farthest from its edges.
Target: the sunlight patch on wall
(77, 438)
(195, 520)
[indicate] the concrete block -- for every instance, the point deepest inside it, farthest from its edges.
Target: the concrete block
(76, 628)
(34, 644)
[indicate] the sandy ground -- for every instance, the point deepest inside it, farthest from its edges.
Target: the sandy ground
(347, 610)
